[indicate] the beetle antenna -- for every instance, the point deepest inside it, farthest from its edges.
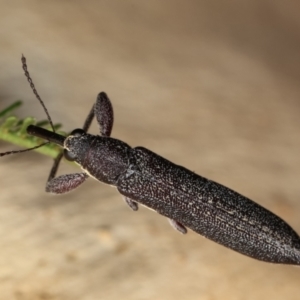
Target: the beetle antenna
(29, 79)
(24, 66)
(20, 151)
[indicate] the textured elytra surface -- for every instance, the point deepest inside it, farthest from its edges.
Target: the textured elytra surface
(208, 208)
(212, 86)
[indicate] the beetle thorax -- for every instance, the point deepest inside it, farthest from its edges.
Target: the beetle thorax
(103, 158)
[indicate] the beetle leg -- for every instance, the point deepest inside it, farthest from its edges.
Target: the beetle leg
(104, 114)
(65, 183)
(178, 226)
(131, 203)
(57, 160)
(103, 111)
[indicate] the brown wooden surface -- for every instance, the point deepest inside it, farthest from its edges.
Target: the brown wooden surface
(211, 85)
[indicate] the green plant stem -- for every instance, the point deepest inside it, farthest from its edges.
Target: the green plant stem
(50, 149)
(13, 130)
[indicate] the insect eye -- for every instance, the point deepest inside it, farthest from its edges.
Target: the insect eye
(77, 132)
(69, 155)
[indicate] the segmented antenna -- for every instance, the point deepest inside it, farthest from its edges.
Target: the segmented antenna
(20, 151)
(24, 66)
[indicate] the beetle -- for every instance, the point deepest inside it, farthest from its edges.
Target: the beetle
(188, 200)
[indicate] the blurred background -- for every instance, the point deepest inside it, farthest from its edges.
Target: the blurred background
(210, 85)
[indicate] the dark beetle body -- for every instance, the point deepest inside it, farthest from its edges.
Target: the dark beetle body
(187, 199)
(209, 209)
(202, 205)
